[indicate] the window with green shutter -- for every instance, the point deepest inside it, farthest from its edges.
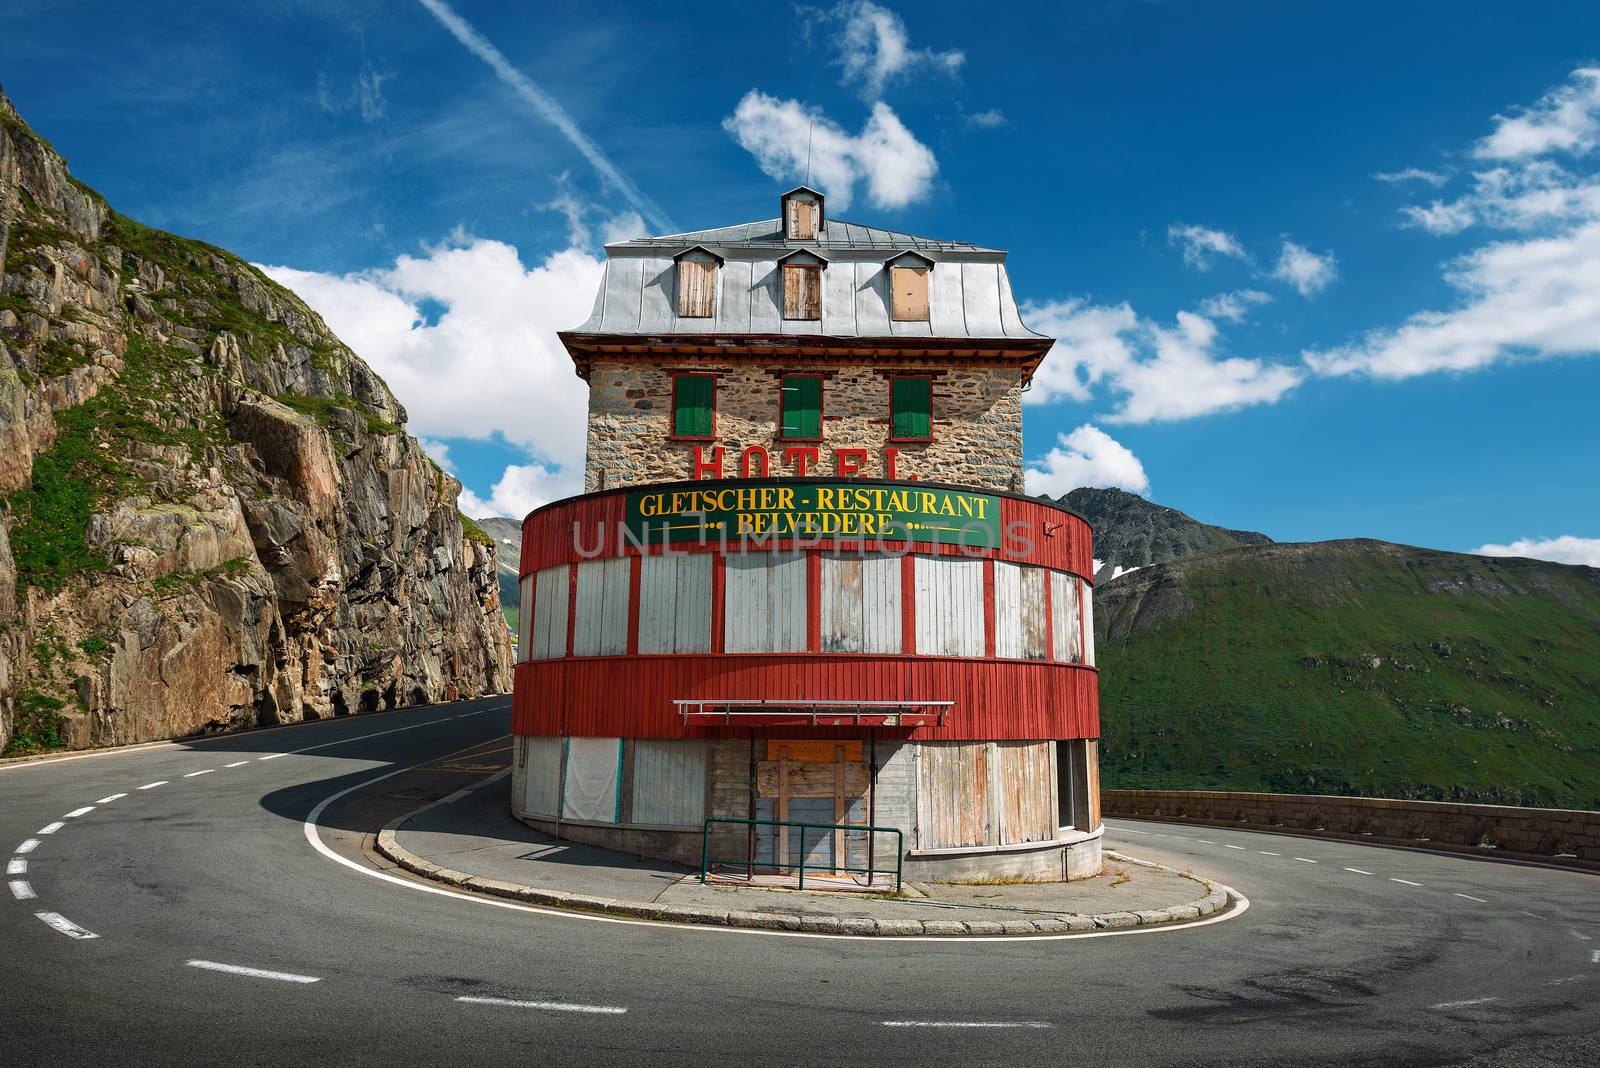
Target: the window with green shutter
(800, 407)
(693, 403)
(910, 409)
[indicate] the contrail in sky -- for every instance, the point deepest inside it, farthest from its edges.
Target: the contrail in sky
(546, 105)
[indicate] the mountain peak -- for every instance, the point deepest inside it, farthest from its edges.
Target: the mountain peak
(1131, 532)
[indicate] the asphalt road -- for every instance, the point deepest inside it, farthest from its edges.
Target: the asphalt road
(199, 853)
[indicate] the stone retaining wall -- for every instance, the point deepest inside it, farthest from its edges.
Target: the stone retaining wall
(1560, 836)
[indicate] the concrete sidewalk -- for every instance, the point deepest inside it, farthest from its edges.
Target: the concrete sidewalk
(470, 840)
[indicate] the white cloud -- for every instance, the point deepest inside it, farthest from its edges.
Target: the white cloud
(521, 489)
(1439, 217)
(1307, 271)
(988, 120)
(783, 134)
(1565, 119)
(875, 49)
(1413, 174)
(1563, 550)
(365, 96)
(1162, 373)
(1086, 457)
(1233, 307)
(1201, 243)
(491, 362)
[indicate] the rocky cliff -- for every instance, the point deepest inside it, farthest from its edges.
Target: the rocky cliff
(213, 517)
(1131, 532)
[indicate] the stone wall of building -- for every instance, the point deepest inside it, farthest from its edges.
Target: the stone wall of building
(977, 425)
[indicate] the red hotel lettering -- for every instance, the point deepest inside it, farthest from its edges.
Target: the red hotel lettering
(759, 453)
(848, 462)
(702, 466)
(799, 457)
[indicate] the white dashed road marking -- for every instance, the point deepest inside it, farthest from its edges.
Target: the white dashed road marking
(153, 785)
(16, 866)
(1479, 900)
(1408, 882)
(1307, 860)
(75, 813)
(1037, 1024)
(272, 756)
(237, 764)
(206, 771)
(1462, 1004)
(1358, 871)
(21, 890)
(1594, 957)
(28, 846)
(553, 1006)
(1265, 853)
(65, 926)
(108, 800)
(50, 828)
(254, 973)
(1225, 845)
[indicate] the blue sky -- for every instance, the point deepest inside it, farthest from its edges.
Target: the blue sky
(1256, 328)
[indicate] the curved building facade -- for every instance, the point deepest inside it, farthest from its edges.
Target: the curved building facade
(802, 598)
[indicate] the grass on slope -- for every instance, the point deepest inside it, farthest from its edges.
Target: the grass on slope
(1383, 688)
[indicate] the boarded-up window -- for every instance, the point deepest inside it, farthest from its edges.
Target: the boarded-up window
(949, 606)
(860, 610)
(910, 285)
(802, 219)
(525, 619)
(1088, 624)
(675, 603)
(549, 635)
(600, 627)
(953, 795)
(697, 284)
(541, 779)
(669, 782)
(910, 408)
(1078, 783)
(694, 399)
(1024, 800)
(1019, 631)
(1065, 625)
(592, 786)
(802, 291)
(800, 406)
(765, 602)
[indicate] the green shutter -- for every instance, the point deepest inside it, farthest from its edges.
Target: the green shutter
(911, 406)
(691, 406)
(802, 407)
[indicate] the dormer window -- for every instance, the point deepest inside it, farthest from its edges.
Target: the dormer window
(697, 282)
(908, 287)
(802, 285)
(802, 214)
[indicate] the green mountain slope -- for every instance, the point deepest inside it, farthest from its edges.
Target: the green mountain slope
(1355, 667)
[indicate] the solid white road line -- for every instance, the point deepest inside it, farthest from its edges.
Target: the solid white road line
(21, 890)
(65, 926)
(50, 828)
(17, 866)
(237, 764)
(272, 756)
(1408, 882)
(153, 785)
(1462, 1004)
(206, 771)
(1358, 871)
(553, 1006)
(254, 973)
(28, 846)
(108, 800)
(966, 1023)
(1479, 900)
(1307, 860)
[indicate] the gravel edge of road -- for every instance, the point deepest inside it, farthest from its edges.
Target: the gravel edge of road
(1217, 898)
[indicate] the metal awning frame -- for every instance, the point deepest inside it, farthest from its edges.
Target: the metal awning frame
(815, 713)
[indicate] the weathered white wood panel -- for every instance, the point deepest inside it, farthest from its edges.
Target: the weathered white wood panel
(591, 788)
(1066, 644)
(551, 586)
(952, 794)
(601, 625)
(1019, 628)
(1023, 792)
(765, 603)
(860, 609)
(541, 778)
(1087, 596)
(980, 290)
(949, 606)
(669, 782)
(525, 618)
(675, 603)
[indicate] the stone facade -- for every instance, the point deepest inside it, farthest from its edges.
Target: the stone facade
(977, 423)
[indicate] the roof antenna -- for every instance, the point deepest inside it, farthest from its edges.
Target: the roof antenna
(809, 131)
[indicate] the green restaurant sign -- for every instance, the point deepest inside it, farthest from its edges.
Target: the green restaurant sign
(814, 510)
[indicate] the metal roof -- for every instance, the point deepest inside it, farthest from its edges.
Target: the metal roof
(836, 234)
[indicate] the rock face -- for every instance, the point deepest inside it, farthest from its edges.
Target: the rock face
(507, 535)
(213, 518)
(1131, 532)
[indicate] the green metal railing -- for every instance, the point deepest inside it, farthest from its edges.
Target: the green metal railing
(707, 862)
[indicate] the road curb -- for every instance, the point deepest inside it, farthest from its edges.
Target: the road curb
(1218, 898)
